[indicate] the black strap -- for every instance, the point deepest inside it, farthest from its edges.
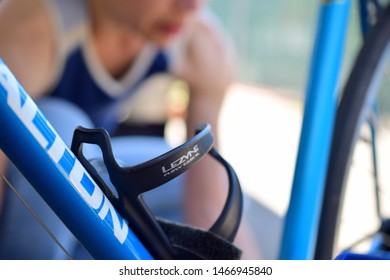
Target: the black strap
(229, 220)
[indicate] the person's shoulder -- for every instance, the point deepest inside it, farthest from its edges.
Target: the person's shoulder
(23, 21)
(18, 18)
(26, 40)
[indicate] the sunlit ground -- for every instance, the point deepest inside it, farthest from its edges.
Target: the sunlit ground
(259, 136)
(260, 130)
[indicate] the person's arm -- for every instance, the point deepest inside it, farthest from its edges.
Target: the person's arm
(27, 43)
(26, 46)
(207, 67)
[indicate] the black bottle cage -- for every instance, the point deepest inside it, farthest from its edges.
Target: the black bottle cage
(131, 182)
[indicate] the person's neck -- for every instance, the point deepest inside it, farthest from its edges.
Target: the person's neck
(116, 50)
(117, 46)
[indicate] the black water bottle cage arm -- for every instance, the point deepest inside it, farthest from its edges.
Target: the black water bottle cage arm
(131, 182)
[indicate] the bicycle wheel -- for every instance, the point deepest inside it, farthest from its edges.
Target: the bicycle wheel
(365, 87)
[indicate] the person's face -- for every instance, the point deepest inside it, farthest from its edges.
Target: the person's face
(157, 20)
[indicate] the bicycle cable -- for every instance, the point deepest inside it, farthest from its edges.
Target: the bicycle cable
(36, 217)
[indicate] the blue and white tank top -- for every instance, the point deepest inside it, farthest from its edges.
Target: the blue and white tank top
(81, 79)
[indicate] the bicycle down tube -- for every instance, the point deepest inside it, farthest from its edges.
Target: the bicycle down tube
(36, 149)
(301, 222)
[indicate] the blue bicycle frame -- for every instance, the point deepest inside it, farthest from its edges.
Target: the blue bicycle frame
(35, 148)
(40, 154)
(301, 222)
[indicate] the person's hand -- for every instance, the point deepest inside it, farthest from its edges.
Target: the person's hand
(206, 62)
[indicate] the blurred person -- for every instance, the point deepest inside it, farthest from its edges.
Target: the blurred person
(80, 60)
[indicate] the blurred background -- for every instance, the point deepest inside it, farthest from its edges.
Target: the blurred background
(273, 39)
(261, 119)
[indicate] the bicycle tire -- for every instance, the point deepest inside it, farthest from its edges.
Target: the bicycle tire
(351, 111)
